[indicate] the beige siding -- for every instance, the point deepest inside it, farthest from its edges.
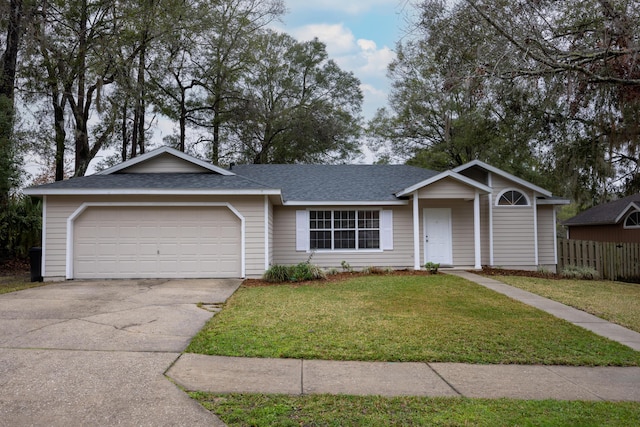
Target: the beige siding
(513, 241)
(165, 163)
(59, 208)
(400, 257)
(513, 228)
(546, 236)
(461, 228)
(447, 189)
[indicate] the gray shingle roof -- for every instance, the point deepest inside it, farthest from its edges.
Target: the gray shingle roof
(336, 183)
(157, 181)
(606, 213)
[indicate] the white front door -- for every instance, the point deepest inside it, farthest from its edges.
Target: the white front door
(438, 246)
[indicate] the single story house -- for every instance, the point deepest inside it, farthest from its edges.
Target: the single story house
(165, 214)
(617, 221)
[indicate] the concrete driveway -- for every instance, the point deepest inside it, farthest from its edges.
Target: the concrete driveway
(95, 352)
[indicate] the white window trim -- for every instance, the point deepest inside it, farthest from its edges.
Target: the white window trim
(303, 241)
(526, 197)
(71, 219)
(630, 227)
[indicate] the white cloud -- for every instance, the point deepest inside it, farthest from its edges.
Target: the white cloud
(361, 56)
(339, 40)
(352, 7)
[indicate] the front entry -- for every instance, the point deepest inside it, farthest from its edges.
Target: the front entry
(438, 245)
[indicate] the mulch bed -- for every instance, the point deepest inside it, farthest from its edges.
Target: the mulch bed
(486, 271)
(332, 278)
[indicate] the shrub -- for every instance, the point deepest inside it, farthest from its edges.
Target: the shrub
(580, 272)
(306, 271)
(293, 273)
(432, 267)
(346, 266)
(20, 226)
(277, 273)
(375, 270)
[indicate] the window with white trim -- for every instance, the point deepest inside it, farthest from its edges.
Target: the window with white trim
(512, 198)
(633, 220)
(344, 229)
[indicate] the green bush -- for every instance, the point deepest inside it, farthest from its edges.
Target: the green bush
(277, 273)
(580, 272)
(293, 273)
(432, 267)
(20, 226)
(306, 271)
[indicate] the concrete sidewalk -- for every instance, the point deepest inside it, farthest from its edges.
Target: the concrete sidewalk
(296, 377)
(219, 374)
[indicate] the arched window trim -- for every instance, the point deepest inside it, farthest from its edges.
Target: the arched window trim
(506, 190)
(637, 225)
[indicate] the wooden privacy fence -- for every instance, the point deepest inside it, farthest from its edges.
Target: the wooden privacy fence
(612, 260)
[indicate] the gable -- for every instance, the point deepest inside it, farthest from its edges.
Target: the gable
(165, 160)
(447, 188)
(165, 163)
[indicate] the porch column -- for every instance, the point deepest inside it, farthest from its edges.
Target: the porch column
(416, 232)
(476, 230)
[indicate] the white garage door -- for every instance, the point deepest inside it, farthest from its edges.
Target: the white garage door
(156, 242)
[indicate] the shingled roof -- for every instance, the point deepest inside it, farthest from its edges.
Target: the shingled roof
(336, 183)
(607, 213)
(170, 182)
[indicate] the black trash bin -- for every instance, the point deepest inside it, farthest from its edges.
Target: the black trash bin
(35, 254)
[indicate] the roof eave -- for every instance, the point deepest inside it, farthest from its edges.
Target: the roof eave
(345, 203)
(151, 192)
(553, 201)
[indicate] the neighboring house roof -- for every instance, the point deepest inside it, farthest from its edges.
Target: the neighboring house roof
(607, 213)
(154, 183)
(336, 183)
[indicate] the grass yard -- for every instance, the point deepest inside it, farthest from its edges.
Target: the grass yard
(399, 318)
(324, 410)
(17, 283)
(616, 302)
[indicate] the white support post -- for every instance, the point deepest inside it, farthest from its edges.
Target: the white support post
(535, 229)
(416, 232)
(266, 233)
(476, 230)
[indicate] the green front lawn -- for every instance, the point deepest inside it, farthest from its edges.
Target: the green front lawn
(324, 410)
(399, 318)
(616, 302)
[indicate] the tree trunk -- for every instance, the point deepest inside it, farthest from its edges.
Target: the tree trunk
(81, 135)
(7, 88)
(60, 134)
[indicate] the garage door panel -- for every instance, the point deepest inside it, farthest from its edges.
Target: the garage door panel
(145, 242)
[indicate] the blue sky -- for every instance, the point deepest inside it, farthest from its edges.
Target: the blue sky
(360, 36)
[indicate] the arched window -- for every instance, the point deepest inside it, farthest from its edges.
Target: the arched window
(512, 198)
(633, 220)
